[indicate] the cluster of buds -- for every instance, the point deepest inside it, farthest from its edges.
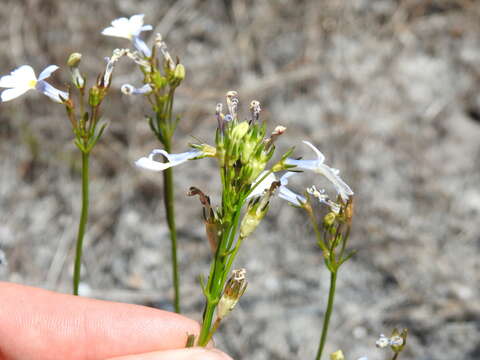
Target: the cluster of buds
(85, 123)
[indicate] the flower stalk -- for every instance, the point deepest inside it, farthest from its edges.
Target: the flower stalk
(83, 222)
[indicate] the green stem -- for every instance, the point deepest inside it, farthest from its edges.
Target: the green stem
(395, 356)
(82, 225)
(168, 199)
(328, 313)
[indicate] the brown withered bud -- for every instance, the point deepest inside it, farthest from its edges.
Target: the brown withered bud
(232, 103)
(211, 224)
(234, 289)
(220, 117)
(255, 110)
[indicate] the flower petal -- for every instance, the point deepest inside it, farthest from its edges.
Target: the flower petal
(146, 28)
(320, 156)
(264, 185)
(332, 174)
(140, 45)
(149, 164)
(20, 77)
(53, 93)
(293, 198)
(13, 93)
(136, 21)
(117, 32)
(173, 159)
(47, 72)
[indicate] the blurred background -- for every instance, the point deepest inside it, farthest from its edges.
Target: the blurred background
(387, 89)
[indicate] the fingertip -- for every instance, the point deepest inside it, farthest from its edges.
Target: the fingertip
(195, 353)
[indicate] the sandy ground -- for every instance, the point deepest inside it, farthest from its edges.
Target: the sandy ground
(387, 89)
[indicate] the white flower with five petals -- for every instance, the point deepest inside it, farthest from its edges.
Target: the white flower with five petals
(319, 167)
(173, 159)
(130, 29)
(23, 79)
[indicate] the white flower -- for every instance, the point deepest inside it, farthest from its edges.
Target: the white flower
(319, 167)
(23, 79)
(382, 342)
(287, 194)
(173, 159)
(130, 29)
(266, 183)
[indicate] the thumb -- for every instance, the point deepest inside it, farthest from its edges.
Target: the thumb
(197, 353)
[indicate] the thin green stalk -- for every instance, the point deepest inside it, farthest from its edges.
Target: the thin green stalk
(82, 225)
(170, 211)
(328, 313)
(395, 356)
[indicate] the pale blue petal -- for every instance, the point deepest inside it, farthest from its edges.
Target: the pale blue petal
(320, 156)
(140, 45)
(342, 188)
(47, 72)
(53, 93)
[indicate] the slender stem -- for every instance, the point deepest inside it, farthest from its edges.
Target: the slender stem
(328, 313)
(214, 329)
(169, 202)
(395, 356)
(203, 338)
(82, 225)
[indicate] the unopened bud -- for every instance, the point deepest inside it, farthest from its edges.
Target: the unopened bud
(95, 98)
(179, 73)
(74, 60)
(329, 219)
(239, 131)
(337, 355)
(234, 289)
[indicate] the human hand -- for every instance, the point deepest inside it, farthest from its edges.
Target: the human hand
(43, 325)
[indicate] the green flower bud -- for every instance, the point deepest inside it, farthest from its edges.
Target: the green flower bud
(158, 80)
(239, 131)
(95, 96)
(179, 73)
(337, 355)
(74, 60)
(329, 219)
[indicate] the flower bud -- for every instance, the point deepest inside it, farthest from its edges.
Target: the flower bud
(95, 97)
(329, 219)
(239, 131)
(179, 73)
(74, 60)
(337, 355)
(234, 289)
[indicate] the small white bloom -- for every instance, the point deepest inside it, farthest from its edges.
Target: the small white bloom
(23, 79)
(130, 29)
(319, 167)
(382, 342)
(287, 194)
(128, 89)
(173, 159)
(323, 198)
